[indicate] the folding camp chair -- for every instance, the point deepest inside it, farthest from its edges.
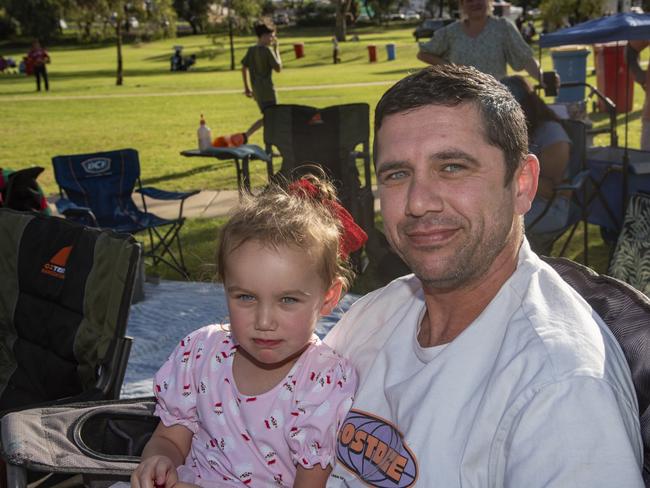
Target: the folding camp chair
(333, 138)
(96, 189)
(631, 258)
(578, 177)
(103, 441)
(65, 293)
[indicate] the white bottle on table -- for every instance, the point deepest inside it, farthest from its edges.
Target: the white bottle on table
(205, 136)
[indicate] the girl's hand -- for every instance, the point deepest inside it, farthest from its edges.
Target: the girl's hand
(155, 471)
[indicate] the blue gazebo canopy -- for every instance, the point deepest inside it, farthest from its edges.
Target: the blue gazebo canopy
(618, 27)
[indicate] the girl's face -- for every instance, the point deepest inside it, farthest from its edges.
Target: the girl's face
(275, 297)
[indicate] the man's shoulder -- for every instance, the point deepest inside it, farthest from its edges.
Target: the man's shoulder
(558, 325)
(376, 311)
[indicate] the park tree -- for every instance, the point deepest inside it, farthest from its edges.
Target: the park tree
(557, 12)
(156, 18)
(193, 11)
(36, 18)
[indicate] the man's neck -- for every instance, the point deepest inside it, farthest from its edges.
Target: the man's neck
(450, 312)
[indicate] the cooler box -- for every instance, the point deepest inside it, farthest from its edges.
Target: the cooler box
(605, 165)
(612, 78)
(570, 62)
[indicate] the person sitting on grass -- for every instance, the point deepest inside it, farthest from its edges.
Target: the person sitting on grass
(259, 401)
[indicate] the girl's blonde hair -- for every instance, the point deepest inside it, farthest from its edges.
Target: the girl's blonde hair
(280, 216)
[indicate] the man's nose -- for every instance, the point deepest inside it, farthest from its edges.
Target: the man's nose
(424, 195)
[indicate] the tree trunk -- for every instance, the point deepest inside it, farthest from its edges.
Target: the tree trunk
(341, 30)
(232, 44)
(118, 32)
(442, 3)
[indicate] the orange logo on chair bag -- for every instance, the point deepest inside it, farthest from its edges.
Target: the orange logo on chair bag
(56, 265)
(316, 119)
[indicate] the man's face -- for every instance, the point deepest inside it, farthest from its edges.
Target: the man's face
(267, 39)
(446, 209)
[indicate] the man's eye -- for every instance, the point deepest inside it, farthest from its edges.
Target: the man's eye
(452, 168)
(394, 176)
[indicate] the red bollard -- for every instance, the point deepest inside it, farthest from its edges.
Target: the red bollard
(372, 53)
(299, 49)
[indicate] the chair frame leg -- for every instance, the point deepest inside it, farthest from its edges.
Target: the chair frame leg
(16, 476)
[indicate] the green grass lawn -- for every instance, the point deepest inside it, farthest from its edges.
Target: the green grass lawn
(157, 112)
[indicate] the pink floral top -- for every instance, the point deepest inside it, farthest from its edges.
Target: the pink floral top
(255, 441)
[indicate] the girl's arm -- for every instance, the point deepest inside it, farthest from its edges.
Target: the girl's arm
(553, 161)
(165, 451)
(316, 477)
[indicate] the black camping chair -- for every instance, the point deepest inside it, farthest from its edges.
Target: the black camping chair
(334, 138)
(103, 451)
(65, 293)
(97, 189)
(577, 186)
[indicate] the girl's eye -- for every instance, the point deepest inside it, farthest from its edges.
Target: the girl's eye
(288, 300)
(245, 298)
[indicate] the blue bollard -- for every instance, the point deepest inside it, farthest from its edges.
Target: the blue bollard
(390, 51)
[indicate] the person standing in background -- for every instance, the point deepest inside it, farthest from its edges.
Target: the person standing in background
(39, 57)
(259, 63)
(480, 40)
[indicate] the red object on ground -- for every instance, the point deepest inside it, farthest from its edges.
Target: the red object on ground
(612, 78)
(372, 53)
(299, 49)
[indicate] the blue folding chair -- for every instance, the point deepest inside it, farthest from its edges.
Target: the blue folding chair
(96, 189)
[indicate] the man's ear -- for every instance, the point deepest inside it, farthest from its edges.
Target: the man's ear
(525, 184)
(332, 297)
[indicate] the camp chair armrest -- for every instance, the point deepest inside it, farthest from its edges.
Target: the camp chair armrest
(75, 212)
(158, 194)
(576, 183)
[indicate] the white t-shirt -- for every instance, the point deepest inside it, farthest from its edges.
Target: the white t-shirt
(535, 392)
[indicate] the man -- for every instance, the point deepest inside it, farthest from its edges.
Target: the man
(484, 368)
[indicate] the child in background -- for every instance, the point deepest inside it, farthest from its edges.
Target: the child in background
(259, 402)
(259, 63)
(38, 58)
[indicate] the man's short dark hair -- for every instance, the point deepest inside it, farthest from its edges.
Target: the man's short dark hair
(262, 28)
(449, 85)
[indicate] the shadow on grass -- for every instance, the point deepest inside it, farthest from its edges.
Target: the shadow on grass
(191, 172)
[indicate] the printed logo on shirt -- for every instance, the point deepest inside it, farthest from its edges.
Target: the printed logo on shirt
(374, 450)
(56, 265)
(96, 165)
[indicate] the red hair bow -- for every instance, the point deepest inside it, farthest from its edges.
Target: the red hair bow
(353, 237)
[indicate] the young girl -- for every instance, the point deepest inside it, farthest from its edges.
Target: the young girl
(259, 403)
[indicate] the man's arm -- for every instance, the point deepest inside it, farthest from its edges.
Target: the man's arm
(632, 51)
(278, 60)
(578, 431)
(247, 88)
(430, 58)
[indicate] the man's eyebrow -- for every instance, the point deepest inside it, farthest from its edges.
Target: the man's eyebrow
(391, 165)
(452, 154)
